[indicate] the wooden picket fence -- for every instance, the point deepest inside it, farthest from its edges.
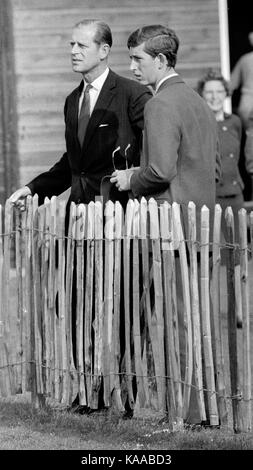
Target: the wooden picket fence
(120, 271)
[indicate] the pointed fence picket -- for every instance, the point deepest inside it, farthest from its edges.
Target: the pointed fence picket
(157, 312)
(117, 293)
(89, 286)
(69, 274)
(171, 334)
(206, 321)
(246, 382)
(217, 343)
(99, 305)
(127, 295)
(107, 328)
(99, 312)
(235, 375)
(187, 322)
(195, 307)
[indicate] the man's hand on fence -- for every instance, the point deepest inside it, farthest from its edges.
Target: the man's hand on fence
(18, 198)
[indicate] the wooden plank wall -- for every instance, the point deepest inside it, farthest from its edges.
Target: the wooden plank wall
(42, 30)
(8, 121)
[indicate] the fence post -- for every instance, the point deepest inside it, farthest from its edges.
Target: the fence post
(117, 296)
(149, 332)
(7, 315)
(62, 300)
(89, 289)
(175, 404)
(127, 272)
(43, 247)
(38, 399)
(19, 259)
(197, 355)
(99, 307)
(187, 321)
(141, 398)
(50, 240)
(232, 336)
(157, 314)
(79, 236)
(206, 323)
(246, 385)
(5, 388)
(216, 317)
(70, 248)
(108, 337)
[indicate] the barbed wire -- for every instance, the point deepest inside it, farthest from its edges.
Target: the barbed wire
(235, 246)
(74, 371)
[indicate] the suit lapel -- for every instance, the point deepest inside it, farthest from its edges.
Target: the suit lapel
(73, 108)
(103, 102)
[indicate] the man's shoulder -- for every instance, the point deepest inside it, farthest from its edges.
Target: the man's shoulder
(74, 92)
(128, 83)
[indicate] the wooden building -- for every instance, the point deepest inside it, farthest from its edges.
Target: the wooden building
(36, 74)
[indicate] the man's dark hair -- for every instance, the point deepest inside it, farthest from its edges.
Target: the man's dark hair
(158, 39)
(211, 75)
(103, 33)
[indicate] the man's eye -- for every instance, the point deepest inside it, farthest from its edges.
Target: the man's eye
(81, 46)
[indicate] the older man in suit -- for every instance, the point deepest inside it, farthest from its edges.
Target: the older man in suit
(103, 128)
(180, 160)
(104, 113)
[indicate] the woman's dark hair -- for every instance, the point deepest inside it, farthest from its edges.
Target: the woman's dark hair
(103, 33)
(158, 39)
(210, 76)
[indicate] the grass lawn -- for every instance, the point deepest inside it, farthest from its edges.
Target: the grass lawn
(23, 427)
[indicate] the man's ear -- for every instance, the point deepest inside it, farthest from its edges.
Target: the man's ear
(162, 60)
(104, 50)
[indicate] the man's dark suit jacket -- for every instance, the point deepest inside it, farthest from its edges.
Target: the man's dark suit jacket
(117, 120)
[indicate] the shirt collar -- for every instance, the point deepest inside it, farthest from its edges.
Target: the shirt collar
(98, 82)
(173, 74)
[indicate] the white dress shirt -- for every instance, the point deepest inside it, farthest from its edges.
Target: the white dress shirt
(95, 90)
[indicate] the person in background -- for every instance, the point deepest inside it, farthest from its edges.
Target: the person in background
(229, 190)
(241, 88)
(242, 77)
(248, 150)
(180, 159)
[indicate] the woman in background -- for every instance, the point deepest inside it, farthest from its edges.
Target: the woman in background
(229, 190)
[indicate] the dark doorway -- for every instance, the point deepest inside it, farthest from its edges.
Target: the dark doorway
(240, 24)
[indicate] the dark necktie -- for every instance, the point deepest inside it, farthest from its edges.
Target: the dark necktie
(84, 115)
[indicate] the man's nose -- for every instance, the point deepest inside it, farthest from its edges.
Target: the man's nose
(74, 48)
(132, 66)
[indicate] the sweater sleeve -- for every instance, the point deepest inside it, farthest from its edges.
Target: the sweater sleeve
(161, 142)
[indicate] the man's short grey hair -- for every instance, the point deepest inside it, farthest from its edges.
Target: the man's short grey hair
(103, 33)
